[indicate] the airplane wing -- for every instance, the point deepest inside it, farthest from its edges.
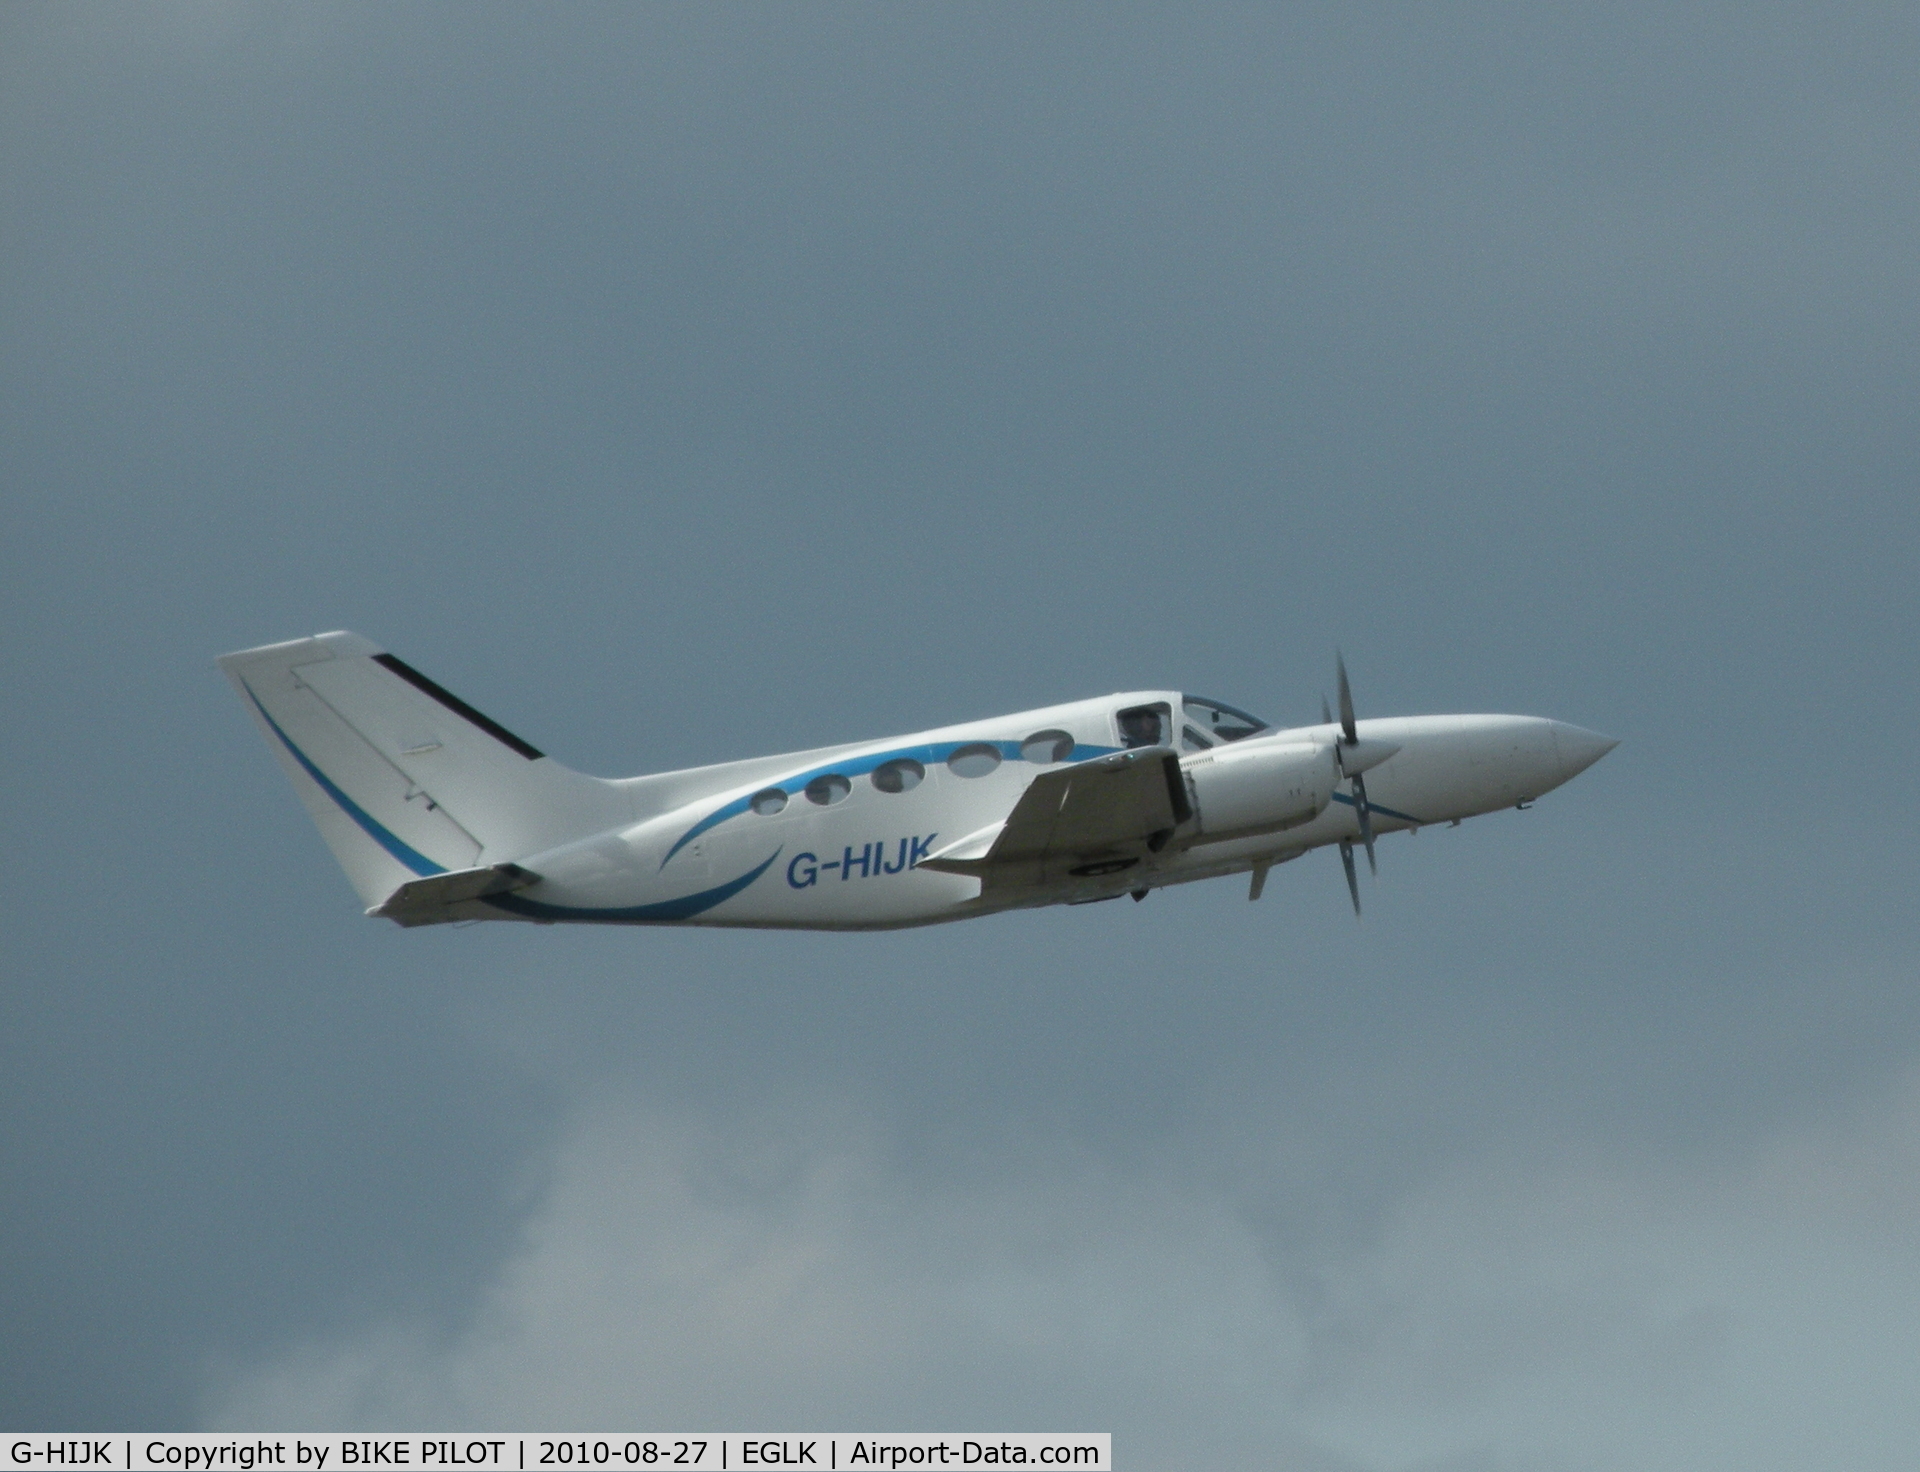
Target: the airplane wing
(1093, 818)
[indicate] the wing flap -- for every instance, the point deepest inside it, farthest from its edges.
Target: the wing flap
(1095, 814)
(1080, 811)
(969, 855)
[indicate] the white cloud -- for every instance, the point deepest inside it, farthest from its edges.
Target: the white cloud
(1765, 1313)
(681, 1274)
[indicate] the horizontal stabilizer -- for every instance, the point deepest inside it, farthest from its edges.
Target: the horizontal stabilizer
(427, 901)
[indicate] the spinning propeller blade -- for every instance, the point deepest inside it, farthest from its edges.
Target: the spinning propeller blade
(1349, 740)
(1346, 700)
(1365, 810)
(1350, 737)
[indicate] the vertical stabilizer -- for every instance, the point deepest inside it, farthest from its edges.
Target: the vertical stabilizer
(403, 778)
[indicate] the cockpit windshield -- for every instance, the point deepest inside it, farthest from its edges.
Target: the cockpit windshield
(1205, 723)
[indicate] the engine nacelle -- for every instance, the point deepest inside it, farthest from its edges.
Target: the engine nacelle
(1260, 787)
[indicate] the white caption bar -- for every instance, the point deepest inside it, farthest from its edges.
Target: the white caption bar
(712, 1451)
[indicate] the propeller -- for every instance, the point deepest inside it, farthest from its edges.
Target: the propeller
(1350, 746)
(1355, 757)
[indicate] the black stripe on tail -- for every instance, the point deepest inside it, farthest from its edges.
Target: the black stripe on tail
(458, 706)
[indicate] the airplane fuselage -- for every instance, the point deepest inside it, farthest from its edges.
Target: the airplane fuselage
(853, 862)
(438, 813)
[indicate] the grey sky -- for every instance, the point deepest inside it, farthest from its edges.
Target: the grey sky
(686, 383)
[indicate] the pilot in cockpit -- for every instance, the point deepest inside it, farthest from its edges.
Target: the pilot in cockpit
(1144, 725)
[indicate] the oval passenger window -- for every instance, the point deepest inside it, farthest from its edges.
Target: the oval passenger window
(1043, 747)
(767, 801)
(828, 789)
(975, 760)
(902, 774)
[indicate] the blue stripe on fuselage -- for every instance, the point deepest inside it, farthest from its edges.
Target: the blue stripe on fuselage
(928, 756)
(661, 913)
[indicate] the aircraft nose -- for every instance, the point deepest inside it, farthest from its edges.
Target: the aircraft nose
(1579, 748)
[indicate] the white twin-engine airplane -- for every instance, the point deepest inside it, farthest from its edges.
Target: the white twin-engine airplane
(440, 814)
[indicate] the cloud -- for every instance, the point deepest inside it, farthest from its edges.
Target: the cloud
(1559, 1313)
(682, 1273)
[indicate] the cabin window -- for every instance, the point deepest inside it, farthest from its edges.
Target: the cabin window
(828, 789)
(902, 774)
(768, 801)
(1220, 722)
(1044, 747)
(1193, 740)
(975, 760)
(1144, 725)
